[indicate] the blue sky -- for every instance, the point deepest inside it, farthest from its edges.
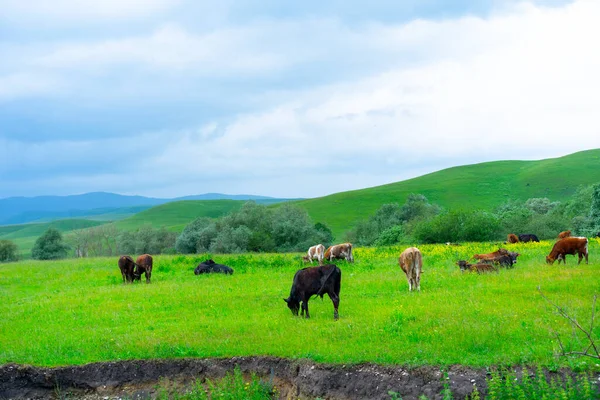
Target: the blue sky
(288, 99)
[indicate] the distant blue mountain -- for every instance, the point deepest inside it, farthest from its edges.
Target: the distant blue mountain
(19, 210)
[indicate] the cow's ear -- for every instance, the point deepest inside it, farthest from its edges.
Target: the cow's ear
(286, 300)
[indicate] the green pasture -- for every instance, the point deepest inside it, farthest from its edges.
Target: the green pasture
(77, 311)
(176, 215)
(25, 235)
(477, 186)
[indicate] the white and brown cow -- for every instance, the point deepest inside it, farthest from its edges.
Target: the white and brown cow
(316, 252)
(411, 262)
(340, 251)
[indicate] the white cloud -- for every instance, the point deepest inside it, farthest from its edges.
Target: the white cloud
(80, 12)
(522, 84)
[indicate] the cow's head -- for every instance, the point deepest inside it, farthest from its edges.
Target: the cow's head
(293, 305)
(550, 260)
(462, 264)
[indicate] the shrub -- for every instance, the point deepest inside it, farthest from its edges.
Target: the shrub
(8, 251)
(49, 246)
(455, 226)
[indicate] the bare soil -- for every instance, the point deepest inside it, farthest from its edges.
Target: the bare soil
(294, 379)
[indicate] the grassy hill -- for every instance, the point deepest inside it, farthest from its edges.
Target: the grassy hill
(176, 215)
(477, 186)
(25, 235)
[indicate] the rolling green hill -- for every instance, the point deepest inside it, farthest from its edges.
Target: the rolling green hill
(25, 235)
(477, 186)
(176, 215)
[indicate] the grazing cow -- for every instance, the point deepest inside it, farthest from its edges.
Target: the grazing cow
(208, 266)
(411, 262)
(126, 265)
(564, 234)
(479, 268)
(339, 251)
(528, 237)
(316, 252)
(512, 238)
(315, 280)
(569, 245)
(144, 266)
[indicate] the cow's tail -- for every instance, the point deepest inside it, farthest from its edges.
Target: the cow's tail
(320, 292)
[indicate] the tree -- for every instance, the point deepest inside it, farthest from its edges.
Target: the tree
(49, 246)
(8, 251)
(541, 205)
(595, 207)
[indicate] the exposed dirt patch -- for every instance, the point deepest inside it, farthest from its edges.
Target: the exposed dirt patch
(138, 379)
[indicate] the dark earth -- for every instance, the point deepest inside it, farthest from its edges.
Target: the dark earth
(294, 379)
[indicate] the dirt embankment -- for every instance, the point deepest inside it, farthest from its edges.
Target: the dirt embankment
(295, 379)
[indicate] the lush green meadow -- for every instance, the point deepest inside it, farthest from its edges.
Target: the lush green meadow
(176, 215)
(477, 186)
(25, 235)
(77, 311)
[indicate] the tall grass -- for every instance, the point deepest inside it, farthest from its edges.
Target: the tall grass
(79, 311)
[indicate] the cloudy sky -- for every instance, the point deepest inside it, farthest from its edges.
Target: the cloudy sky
(305, 98)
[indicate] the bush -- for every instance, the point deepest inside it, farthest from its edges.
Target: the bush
(254, 228)
(457, 226)
(390, 236)
(8, 251)
(49, 246)
(416, 208)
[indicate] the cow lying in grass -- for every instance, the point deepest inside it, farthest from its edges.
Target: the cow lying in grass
(480, 268)
(209, 266)
(501, 256)
(315, 280)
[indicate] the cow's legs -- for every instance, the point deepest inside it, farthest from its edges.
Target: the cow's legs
(148, 275)
(305, 308)
(336, 303)
(124, 278)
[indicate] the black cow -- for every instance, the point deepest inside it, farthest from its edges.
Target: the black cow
(315, 280)
(528, 237)
(127, 265)
(208, 266)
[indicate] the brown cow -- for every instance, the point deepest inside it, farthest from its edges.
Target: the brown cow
(569, 245)
(144, 265)
(411, 262)
(339, 251)
(564, 234)
(512, 238)
(491, 256)
(479, 268)
(126, 265)
(316, 252)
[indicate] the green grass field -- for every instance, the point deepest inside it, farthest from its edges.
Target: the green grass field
(78, 311)
(176, 215)
(478, 186)
(25, 235)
